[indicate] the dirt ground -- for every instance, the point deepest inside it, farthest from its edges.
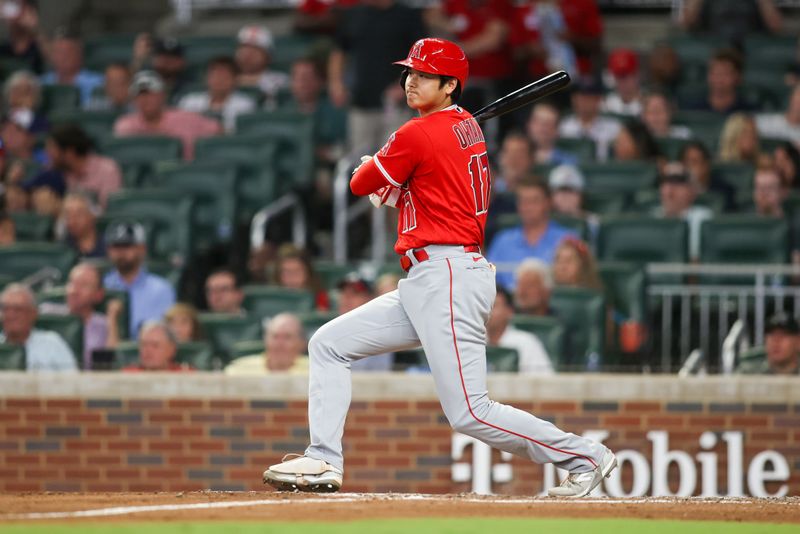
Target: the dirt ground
(267, 506)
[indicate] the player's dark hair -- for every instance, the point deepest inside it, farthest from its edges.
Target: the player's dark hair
(71, 136)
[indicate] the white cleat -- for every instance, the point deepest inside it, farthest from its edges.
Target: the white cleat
(301, 473)
(582, 484)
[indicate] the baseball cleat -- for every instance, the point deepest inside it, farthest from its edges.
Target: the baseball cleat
(582, 484)
(301, 473)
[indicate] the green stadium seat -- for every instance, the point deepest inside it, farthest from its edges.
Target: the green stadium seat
(12, 357)
(331, 272)
(776, 51)
(290, 48)
(550, 331)
(58, 295)
(753, 355)
(694, 51)
(744, 239)
(712, 200)
(69, 327)
(254, 157)
(5, 280)
(621, 177)
(705, 126)
(583, 148)
(625, 288)
(24, 259)
(641, 239)
(99, 125)
(224, 330)
(293, 132)
(200, 49)
(31, 226)
(603, 203)
(166, 216)
(670, 147)
(502, 360)
(268, 301)
(59, 98)
(248, 347)
(312, 321)
(584, 314)
(137, 155)
(212, 186)
(197, 354)
(10, 65)
(579, 226)
(102, 50)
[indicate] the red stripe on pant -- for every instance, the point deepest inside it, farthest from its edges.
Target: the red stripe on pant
(466, 396)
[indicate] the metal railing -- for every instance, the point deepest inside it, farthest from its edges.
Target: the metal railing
(262, 218)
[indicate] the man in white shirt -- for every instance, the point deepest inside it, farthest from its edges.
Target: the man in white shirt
(533, 356)
(587, 121)
(44, 350)
(253, 56)
(782, 125)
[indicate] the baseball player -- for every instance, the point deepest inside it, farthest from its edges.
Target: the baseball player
(435, 170)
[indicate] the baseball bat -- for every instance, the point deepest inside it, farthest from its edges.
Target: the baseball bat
(523, 96)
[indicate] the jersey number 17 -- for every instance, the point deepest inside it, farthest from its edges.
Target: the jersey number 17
(481, 182)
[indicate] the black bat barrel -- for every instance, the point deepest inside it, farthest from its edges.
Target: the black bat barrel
(523, 96)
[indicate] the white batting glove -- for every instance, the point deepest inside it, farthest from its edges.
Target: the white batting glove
(364, 159)
(385, 196)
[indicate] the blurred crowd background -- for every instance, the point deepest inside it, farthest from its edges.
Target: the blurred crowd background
(173, 191)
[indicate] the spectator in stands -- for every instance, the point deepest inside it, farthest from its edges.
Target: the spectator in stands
(44, 350)
(515, 162)
(22, 91)
(224, 293)
(787, 161)
(166, 57)
(677, 196)
(696, 158)
(782, 347)
(769, 192)
(566, 189)
(534, 283)
(634, 143)
(15, 199)
(373, 35)
(294, 269)
(500, 332)
(739, 140)
(543, 131)
(150, 296)
(586, 120)
(84, 294)
(657, 113)
(584, 32)
(284, 343)
(536, 237)
(25, 40)
(626, 98)
(730, 20)
(355, 291)
(183, 320)
(221, 97)
(537, 38)
(153, 117)
(8, 230)
(66, 57)
(319, 16)
(253, 57)
(19, 140)
(158, 348)
(116, 86)
(575, 265)
(782, 125)
(71, 152)
(79, 216)
(724, 79)
(664, 67)
(386, 283)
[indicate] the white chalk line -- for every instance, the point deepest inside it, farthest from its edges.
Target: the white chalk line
(365, 498)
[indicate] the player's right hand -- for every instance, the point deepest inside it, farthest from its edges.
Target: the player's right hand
(385, 196)
(364, 159)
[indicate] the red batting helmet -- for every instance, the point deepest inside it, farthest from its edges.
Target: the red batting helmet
(437, 56)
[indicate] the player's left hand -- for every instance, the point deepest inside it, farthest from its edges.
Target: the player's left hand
(385, 196)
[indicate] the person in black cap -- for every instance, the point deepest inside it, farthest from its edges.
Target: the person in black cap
(150, 296)
(782, 346)
(586, 121)
(166, 57)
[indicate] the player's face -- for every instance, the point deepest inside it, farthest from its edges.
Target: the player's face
(426, 93)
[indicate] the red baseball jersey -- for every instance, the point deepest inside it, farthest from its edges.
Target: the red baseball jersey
(440, 163)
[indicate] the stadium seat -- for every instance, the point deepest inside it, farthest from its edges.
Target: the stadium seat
(625, 177)
(779, 52)
(603, 203)
(166, 216)
(694, 51)
(705, 126)
(58, 295)
(59, 98)
(24, 259)
(744, 239)
(101, 50)
(268, 301)
(312, 321)
(579, 226)
(4, 281)
(248, 347)
(212, 186)
(550, 331)
(331, 272)
(224, 330)
(200, 49)
(31, 226)
(584, 314)
(12, 357)
(584, 149)
(642, 239)
(290, 48)
(625, 288)
(752, 355)
(69, 327)
(502, 360)
(293, 132)
(197, 354)
(99, 125)
(670, 147)
(137, 155)
(254, 158)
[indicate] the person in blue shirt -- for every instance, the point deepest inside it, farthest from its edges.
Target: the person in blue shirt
(149, 295)
(66, 57)
(536, 236)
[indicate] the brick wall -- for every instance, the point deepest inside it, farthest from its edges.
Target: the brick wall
(155, 444)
